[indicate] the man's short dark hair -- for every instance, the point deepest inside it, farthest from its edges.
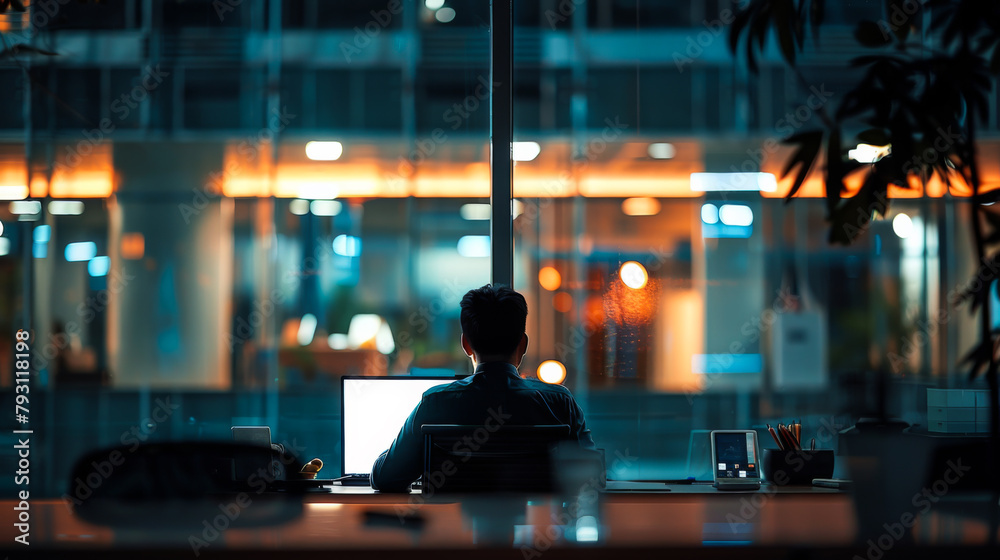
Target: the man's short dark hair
(493, 319)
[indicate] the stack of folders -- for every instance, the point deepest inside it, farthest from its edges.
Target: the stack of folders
(956, 411)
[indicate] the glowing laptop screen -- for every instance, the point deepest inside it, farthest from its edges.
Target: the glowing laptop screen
(374, 409)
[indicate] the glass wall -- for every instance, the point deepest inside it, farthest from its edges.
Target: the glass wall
(675, 288)
(215, 210)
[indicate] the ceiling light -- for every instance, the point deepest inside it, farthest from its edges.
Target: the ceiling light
(13, 192)
(475, 211)
(324, 151)
(474, 246)
(867, 153)
(83, 251)
(25, 207)
(299, 207)
(902, 225)
(325, 207)
(736, 215)
(713, 182)
(662, 150)
(525, 151)
(641, 206)
(66, 208)
(444, 15)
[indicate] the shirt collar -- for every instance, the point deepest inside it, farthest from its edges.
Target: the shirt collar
(506, 367)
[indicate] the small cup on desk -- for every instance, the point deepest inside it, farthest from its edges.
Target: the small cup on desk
(796, 467)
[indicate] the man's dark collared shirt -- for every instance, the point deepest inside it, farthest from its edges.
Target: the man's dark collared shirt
(495, 394)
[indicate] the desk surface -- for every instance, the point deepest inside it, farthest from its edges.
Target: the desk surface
(614, 488)
(353, 518)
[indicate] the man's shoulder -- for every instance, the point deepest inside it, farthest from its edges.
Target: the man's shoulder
(445, 387)
(546, 388)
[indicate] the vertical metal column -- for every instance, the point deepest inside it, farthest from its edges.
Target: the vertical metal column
(266, 223)
(501, 137)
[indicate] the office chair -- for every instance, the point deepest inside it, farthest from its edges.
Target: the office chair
(177, 485)
(471, 459)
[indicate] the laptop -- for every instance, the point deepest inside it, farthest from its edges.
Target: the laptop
(736, 457)
(373, 409)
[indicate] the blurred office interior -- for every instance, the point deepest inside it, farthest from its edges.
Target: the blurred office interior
(215, 210)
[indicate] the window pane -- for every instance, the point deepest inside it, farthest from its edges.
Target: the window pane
(212, 225)
(679, 304)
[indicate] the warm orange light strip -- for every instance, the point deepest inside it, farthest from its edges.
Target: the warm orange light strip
(13, 192)
(13, 182)
(72, 184)
(813, 187)
(369, 180)
(82, 184)
(529, 182)
(471, 180)
(595, 185)
(329, 181)
(39, 187)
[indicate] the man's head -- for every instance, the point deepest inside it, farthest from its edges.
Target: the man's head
(493, 319)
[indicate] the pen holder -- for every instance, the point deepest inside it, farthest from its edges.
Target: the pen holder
(796, 467)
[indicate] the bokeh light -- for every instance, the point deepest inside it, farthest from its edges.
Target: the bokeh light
(445, 15)
(641, 206)
(633, 275)
(902, 225)
(563, 302)
(552, 372)
(549, 278)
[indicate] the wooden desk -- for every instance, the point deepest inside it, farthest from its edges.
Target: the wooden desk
(355, 520)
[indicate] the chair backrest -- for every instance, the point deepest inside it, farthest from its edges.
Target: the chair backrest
(472, 459)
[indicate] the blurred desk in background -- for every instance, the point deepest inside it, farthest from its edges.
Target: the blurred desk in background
(317, 360)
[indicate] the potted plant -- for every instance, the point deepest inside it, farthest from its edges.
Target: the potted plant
(920, 95)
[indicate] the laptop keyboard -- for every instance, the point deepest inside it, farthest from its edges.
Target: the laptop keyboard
(354, 479)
